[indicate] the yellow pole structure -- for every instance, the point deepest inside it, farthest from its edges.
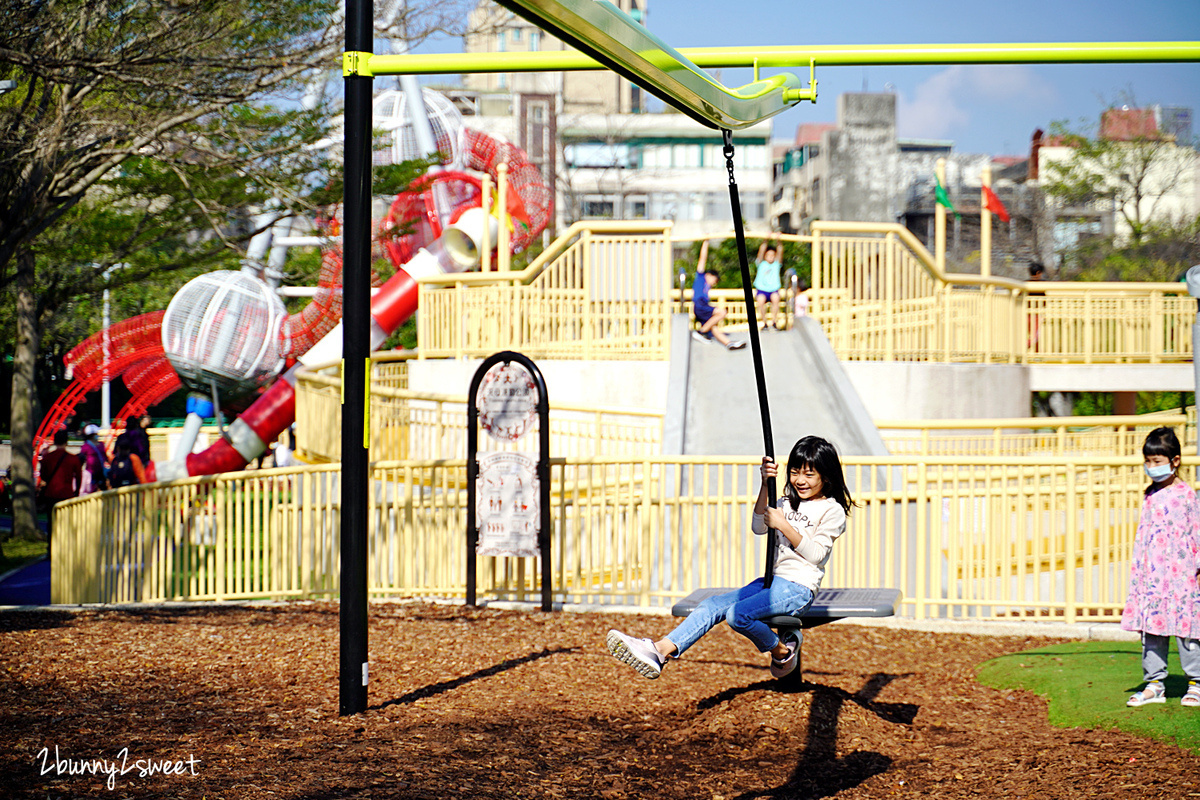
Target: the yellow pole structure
(939, 221)
(985, 226)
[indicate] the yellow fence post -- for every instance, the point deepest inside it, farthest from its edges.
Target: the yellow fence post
(921, 571)
(1071, 548)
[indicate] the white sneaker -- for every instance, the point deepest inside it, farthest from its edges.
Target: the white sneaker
(781, 668)
(641, 654)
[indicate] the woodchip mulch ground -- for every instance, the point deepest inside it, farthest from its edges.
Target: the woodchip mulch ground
(482, 703)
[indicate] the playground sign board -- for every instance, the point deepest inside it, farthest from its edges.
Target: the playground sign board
(508, 492)
(506, 506)
(507, 401)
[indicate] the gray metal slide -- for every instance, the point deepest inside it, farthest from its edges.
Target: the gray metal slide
(712, 402)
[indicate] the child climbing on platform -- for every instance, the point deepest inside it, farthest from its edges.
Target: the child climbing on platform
(809, 517)
(708, 317)
(1164, 581)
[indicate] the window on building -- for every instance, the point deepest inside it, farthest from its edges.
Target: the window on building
(637, 207)
(597, 155)
(716, 205)
(597, 206)
(754, 205)
(714, 155)
(535, 40)
(756, 156)
(685, 156)
(516, 35)
(656, 156)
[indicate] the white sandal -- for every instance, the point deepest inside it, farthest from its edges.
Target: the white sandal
(1153, 693)
(1192, 697)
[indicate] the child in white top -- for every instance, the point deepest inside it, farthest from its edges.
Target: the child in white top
(809, 517)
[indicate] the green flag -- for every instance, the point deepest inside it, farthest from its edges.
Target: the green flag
(943, 198)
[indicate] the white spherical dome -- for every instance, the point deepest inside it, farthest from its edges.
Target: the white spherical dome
(224, 328)
(390, 114)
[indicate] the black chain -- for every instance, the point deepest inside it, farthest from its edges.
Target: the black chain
(728, 135)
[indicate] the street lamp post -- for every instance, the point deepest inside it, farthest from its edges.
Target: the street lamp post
(105, 398)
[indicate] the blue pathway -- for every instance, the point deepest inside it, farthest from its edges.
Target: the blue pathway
(28, 586)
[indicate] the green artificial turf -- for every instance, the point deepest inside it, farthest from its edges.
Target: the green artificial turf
(16, 552)
(1087, 683)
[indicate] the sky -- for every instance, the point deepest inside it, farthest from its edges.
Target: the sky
(983, 109)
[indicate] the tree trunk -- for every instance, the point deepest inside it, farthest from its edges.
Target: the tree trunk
(24, 358)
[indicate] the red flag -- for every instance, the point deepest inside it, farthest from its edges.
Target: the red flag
(993, 204)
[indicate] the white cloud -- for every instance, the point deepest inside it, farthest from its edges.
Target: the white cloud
(954, 98)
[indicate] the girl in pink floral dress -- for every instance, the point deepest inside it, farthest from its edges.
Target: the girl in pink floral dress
(1164, 582)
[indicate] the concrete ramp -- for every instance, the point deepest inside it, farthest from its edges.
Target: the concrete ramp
(712, 403)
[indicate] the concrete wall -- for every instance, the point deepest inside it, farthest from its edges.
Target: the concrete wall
(888, 390)
(909, 390)
(861, 158)
(636, 384)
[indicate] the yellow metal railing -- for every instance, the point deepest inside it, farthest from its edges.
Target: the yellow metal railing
(1031, 437)
(1094, 323)
(880, 295)
(601, 290)
(407, 424)
(978, 537)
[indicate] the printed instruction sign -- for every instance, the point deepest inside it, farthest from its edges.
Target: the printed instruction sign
(507, 400)
(507, 510)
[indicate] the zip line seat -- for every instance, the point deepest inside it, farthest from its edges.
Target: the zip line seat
(828, 606)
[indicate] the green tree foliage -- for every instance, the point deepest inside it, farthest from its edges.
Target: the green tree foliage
(1136, 177)
(139, 134)
(1162, 253)
(723, 259)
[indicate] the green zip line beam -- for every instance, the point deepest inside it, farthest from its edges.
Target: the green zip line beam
(791, 57)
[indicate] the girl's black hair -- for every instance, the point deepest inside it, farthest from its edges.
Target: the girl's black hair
(1162, 442)
(815, 452)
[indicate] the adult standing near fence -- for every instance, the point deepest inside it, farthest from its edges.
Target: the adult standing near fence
(137, 437)
(60, 474)
(95, 461)
(127, 467)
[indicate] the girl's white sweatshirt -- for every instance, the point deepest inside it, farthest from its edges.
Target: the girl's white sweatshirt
(820, 523)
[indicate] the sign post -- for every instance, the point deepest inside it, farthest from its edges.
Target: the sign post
(508, 492)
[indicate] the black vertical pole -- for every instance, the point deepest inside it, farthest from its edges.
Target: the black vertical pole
(543, 472)
(760, 378)
(472, 477)
(356, 344)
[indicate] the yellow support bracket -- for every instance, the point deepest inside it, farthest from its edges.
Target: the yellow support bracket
(367, 408)
(356, 62)
(809, 94)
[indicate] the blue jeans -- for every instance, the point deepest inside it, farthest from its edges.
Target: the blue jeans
(744, 609)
